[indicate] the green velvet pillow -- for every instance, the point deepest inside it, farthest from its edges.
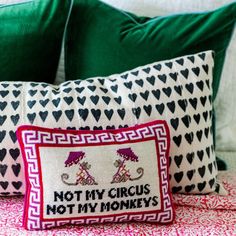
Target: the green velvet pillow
(102, 40)
(31, 34)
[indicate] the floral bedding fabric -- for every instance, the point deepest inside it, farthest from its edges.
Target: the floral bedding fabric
(189, 220)
(213, 201)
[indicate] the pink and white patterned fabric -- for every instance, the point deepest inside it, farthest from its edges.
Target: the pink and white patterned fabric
(212, 201)
(100, 176)
(189, 220)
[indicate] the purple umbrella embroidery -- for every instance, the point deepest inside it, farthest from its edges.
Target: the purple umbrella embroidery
(83, 176)
(123, 174)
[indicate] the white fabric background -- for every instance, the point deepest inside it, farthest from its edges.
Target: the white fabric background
(98, 157)
(225, 102)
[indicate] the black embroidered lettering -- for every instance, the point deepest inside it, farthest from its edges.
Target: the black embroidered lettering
(58, 195)
(71, 208)
(147, 201)
(69, 196)
(61, 209)
(112, 193)
(82, 208)
(155, 201)
(139, 203)
(51, 209)
(105, 206)
(78, 195)
(123, 192)
(124, 205)
(115, 206)
(133, 204)
(90, 195)
(92, 207)
(131, 191)
(100, 193)
(146, 189)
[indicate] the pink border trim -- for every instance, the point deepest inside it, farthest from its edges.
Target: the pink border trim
(32, 137)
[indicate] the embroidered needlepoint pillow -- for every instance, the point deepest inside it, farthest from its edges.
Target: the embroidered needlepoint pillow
(178, 91)
(83, 177)
(31, 33)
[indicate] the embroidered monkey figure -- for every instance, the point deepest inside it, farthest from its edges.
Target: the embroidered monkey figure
(83, 176)
(123, 174)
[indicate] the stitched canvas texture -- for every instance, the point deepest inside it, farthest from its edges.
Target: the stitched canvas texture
(178, 91)
(101, 176)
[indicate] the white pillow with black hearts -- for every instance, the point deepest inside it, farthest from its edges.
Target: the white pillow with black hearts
(178, 91)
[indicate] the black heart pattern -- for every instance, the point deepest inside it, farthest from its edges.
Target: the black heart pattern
(173, 76)
(3, 153)
(178, 176)
(156, 93)
(121, 113)
(57, 115)
(2, 135)
(169, 64)
(139, 82)
(196, 70)
(171, 106)
(96, 114)
(137, 112)
(109, 113)
(3, 105)
(70, 114)
(4, 93)
(16, 169)
(31, 103)
(4, 185)
(201, 186)
(160, 108)
(190, 157)
(2, 119)
(200, 154)
(177, 189)
(106, 99)
(16, 184)
(13, 136)
(151, 80)
(15, 119)
(3, 169)
(81, 100)
(189, 188)
(177, 140)
(83, 113)
(162, 78)
(190, 174)
(14, 153)
(148, 109)
(178, 91)
(15, 104)
(44, 102)
(175, 123)
(31, 117)
(145, 95)
(43, 115)
(178, 160)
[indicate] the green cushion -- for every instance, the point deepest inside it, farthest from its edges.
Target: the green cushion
(102, 40)
(31, 34)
